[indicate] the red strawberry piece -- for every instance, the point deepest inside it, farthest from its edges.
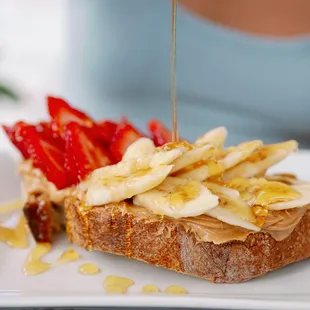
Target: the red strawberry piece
(70, 162)
(14, 135)
(62, 113)
(46, 127)
(46, 155)
(105, 131)
(83, 153)
(159, 132)
(50, 130)
(125, 135)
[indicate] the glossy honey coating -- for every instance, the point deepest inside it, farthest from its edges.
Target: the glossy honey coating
(202, 178)
(261, 192)
(182, 194)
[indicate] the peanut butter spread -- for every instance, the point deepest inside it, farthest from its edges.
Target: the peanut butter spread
(279, 224)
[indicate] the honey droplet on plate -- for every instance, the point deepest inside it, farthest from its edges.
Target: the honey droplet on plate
(117, 285)
(34, 264)
(89, 269)
(11, 206)
(67, 256)
(150, 288)
(15, 237)
(115, 289)
(175, 290)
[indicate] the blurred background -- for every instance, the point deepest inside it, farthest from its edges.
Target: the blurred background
(32, 55)
(32, 51)
(246, 68)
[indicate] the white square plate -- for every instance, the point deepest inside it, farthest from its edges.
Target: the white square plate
(287, 288)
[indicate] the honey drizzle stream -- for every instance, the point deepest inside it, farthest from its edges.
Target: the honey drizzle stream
(175, 134)
(128, 235)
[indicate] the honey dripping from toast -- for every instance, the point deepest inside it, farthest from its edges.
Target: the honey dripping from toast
(82, 212)
(113, 218)
(128, 235)
(175, 134)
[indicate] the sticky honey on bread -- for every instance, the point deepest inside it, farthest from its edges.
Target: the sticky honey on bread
(196, 208)
(232, 255)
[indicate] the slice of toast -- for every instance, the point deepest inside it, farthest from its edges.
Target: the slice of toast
(119, 229)
(125, 229)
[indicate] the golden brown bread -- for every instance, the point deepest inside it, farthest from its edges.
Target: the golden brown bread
(162, 242)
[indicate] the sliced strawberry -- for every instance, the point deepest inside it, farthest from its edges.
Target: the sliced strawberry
(105, 131)
(159, 132)
(62, 113)
(125, 135)
(14, 135)
(50, 130)
(102, 133)
(47, 128)
(46, 155)
(70, 162)
(83, 153)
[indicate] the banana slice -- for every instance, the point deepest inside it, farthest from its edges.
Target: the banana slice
(261, 160)
(229, 217)
(108, 189)
(215, 166)
(304, 200)
(132, 176)
(183, 145)
(146, 154)
(122, 168)
(232, 209)
(261, 192)
(287, 178)
(131, 165)
(177, 198)
(200, 152)
(139, 149)
(216, 137)
(162, 157)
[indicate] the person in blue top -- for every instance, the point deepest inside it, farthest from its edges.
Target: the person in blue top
(240, 64)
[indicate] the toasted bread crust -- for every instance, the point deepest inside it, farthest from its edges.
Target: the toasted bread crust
(161, 242)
